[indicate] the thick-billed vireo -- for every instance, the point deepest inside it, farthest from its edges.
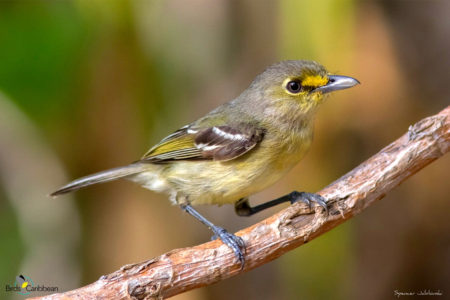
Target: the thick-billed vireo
(238, 149)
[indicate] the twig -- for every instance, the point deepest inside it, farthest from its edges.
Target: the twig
(181, 270)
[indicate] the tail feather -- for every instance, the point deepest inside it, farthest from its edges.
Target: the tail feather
(100, 177)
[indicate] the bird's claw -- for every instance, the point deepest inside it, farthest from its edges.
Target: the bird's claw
(234, 242)
(308, 198)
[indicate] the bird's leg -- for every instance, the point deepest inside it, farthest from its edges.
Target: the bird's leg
(234, 242)
(243, 208)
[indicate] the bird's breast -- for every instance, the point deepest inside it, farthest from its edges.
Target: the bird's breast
(221, 182)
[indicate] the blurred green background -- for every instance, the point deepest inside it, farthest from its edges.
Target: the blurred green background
(88, 85)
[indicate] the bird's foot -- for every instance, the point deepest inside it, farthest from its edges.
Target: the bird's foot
(234, 242)
(308, 198)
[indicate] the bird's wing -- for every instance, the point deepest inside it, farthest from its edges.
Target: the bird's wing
(213, 143)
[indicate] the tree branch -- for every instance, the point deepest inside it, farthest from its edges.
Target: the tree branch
(181, 270)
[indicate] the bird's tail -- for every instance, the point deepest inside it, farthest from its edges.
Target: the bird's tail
(100, 177)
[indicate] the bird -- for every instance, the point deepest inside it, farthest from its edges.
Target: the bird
(238, 149)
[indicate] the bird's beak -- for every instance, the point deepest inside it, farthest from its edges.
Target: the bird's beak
(337, 82)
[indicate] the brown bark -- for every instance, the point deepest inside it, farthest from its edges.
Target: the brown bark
(184, 269)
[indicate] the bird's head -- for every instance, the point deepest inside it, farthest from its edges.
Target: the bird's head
(299, 84)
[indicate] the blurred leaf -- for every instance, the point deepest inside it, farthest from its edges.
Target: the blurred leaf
(319, 30)
(41, 44)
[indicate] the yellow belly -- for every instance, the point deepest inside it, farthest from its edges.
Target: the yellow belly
(218, 182)
(222, 182)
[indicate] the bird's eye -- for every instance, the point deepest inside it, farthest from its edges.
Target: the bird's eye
(294, 87)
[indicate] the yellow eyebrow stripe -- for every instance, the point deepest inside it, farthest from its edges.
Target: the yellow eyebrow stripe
(314, 81)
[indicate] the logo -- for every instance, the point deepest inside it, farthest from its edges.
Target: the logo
(24, 285)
